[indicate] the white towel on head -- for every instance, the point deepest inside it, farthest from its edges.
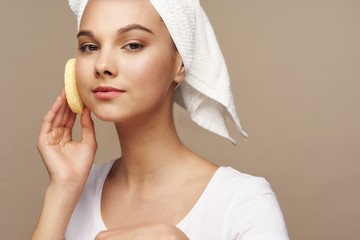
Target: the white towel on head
(206, 92)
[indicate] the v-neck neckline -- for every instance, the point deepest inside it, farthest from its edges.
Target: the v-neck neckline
(182, 223)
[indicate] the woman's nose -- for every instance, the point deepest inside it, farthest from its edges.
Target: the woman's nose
(106, 67)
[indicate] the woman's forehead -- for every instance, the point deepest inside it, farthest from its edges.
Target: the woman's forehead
(120, 12)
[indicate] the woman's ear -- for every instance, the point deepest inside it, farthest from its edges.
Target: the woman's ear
(180, 70)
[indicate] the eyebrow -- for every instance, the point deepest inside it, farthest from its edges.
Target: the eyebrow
(128, 28)
(132, 27)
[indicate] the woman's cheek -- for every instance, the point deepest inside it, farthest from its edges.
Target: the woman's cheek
(149, 69)
(138, 69)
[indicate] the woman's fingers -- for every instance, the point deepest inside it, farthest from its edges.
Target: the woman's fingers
(58, 124)
(59, 118)
(70, 118)
(49, 117)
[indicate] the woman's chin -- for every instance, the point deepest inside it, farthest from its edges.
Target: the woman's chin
(110, 116)
(105, 117)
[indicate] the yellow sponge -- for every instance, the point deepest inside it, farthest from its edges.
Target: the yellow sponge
(72, 93)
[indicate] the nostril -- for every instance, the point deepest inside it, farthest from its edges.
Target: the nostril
(98, 74)
(106, 72)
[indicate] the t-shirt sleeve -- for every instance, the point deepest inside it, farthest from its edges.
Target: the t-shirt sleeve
(255, 213)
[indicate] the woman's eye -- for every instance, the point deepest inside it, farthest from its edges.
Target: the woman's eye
(133, 46)
(89, 48)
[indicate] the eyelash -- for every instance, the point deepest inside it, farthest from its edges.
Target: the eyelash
(87, 48)
(131, 47)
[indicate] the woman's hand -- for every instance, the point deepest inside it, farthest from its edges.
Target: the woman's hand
(67, 161)
(144, 232)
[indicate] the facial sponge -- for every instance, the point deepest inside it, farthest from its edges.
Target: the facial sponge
(72, 93)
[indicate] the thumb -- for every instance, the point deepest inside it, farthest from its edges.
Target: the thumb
(88, 129)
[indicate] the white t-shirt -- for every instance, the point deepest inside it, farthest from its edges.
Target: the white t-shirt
(234, 206)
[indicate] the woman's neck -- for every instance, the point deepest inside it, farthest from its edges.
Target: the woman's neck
(148, 150)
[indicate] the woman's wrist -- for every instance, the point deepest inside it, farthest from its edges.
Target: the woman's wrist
(59, 204)
(69, 193)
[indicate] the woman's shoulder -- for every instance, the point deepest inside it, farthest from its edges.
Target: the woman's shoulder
(233, 189)
(235, 181)
(238, 191)
(236, 204)
(253, 205)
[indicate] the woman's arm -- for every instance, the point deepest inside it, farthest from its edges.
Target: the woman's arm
(59, 203)
(68, 163)
(145, 231)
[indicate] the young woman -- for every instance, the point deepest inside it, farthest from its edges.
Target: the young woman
(134, 58)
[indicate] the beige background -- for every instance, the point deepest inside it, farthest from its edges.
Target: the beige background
(295, 68)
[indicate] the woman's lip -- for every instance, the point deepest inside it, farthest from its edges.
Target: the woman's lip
(107, 93)
(107, 89)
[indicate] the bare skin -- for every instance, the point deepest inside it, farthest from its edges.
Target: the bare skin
(157, 180)
(68, 164)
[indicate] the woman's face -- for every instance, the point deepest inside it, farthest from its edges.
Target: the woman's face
(127, 65)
